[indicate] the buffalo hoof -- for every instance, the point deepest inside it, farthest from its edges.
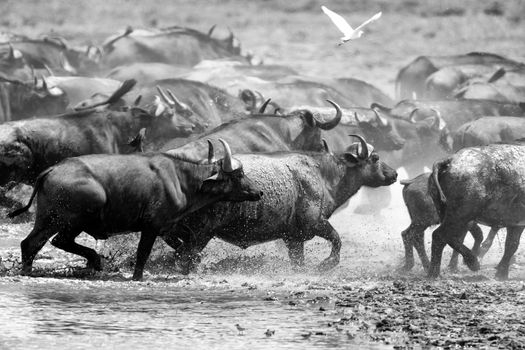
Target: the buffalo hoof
(502, 275)
(95, 265)
(137, 276)
(328, 264)
(472, 263)
(433, 273)
(26, 271)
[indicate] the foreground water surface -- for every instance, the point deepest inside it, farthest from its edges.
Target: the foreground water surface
(42, 313)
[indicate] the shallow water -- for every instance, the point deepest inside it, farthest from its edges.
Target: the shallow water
(57, 313)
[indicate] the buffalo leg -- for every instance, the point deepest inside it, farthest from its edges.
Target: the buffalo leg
(65, 240)
(32, 244)
(485, 246)
(327, 232)
(147, 239)
(512, 242)
(453, 263)
(477, 234)
(295, 252)
(413, 237)
(450, 233)
(189, 254)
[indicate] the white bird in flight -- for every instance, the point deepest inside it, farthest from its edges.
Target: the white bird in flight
(348, 32)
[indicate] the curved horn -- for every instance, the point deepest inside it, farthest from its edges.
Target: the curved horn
(264, 105)
(411, 116)
(210, 32)
(325, 146)
(440, 118)
(164, 96)
(331, 123)
(380, 106)
(227, 160)
(211, 155)
(44, 82)
(364, 147)
(178, 105)
(383, 121)
(137, 100)
(11, 52)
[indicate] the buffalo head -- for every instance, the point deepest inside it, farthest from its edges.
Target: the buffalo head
(229, 182)
(361, 161)
(380, 132)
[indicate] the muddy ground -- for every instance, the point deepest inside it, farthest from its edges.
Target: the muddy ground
(371, 299)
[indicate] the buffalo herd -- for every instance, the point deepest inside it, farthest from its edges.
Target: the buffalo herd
(121, 137)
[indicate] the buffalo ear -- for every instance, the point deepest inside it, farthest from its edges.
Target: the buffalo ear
(211, 184)
(350, 159)
(310, 119)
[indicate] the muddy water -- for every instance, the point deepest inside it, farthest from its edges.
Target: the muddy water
(51, 313)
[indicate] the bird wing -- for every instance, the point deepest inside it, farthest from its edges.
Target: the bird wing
(339, 21)
(370, 20)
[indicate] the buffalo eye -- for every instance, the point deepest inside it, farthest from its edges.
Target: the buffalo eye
(374, 157)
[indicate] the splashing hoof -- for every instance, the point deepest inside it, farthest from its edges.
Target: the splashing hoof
(327, 264)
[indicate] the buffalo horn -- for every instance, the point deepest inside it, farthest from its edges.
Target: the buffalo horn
(411, 117)
(380, 106)
(210, 32)
(325, 146)
(137, 101)
(364, 147)
(44, 83)
(227, 161)
(11, 52)
(264, 105)
(440, 118)
(382, 120)
(211, 154)
(178, 105)
(332, 123)
(164, 96)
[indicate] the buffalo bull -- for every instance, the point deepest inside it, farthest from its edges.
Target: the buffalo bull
(298, 130)
(105, 195)
(483, 184)
(301, 191)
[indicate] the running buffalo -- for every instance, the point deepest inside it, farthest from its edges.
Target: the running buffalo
(106, 195)
(301, 191)
(484, 184)
(423, 214)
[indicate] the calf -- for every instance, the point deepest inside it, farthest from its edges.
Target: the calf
(302, 190)
(105, 195)
(485, 184)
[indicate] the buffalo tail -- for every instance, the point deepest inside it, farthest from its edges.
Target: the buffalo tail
(38, 184)
(440, 201)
